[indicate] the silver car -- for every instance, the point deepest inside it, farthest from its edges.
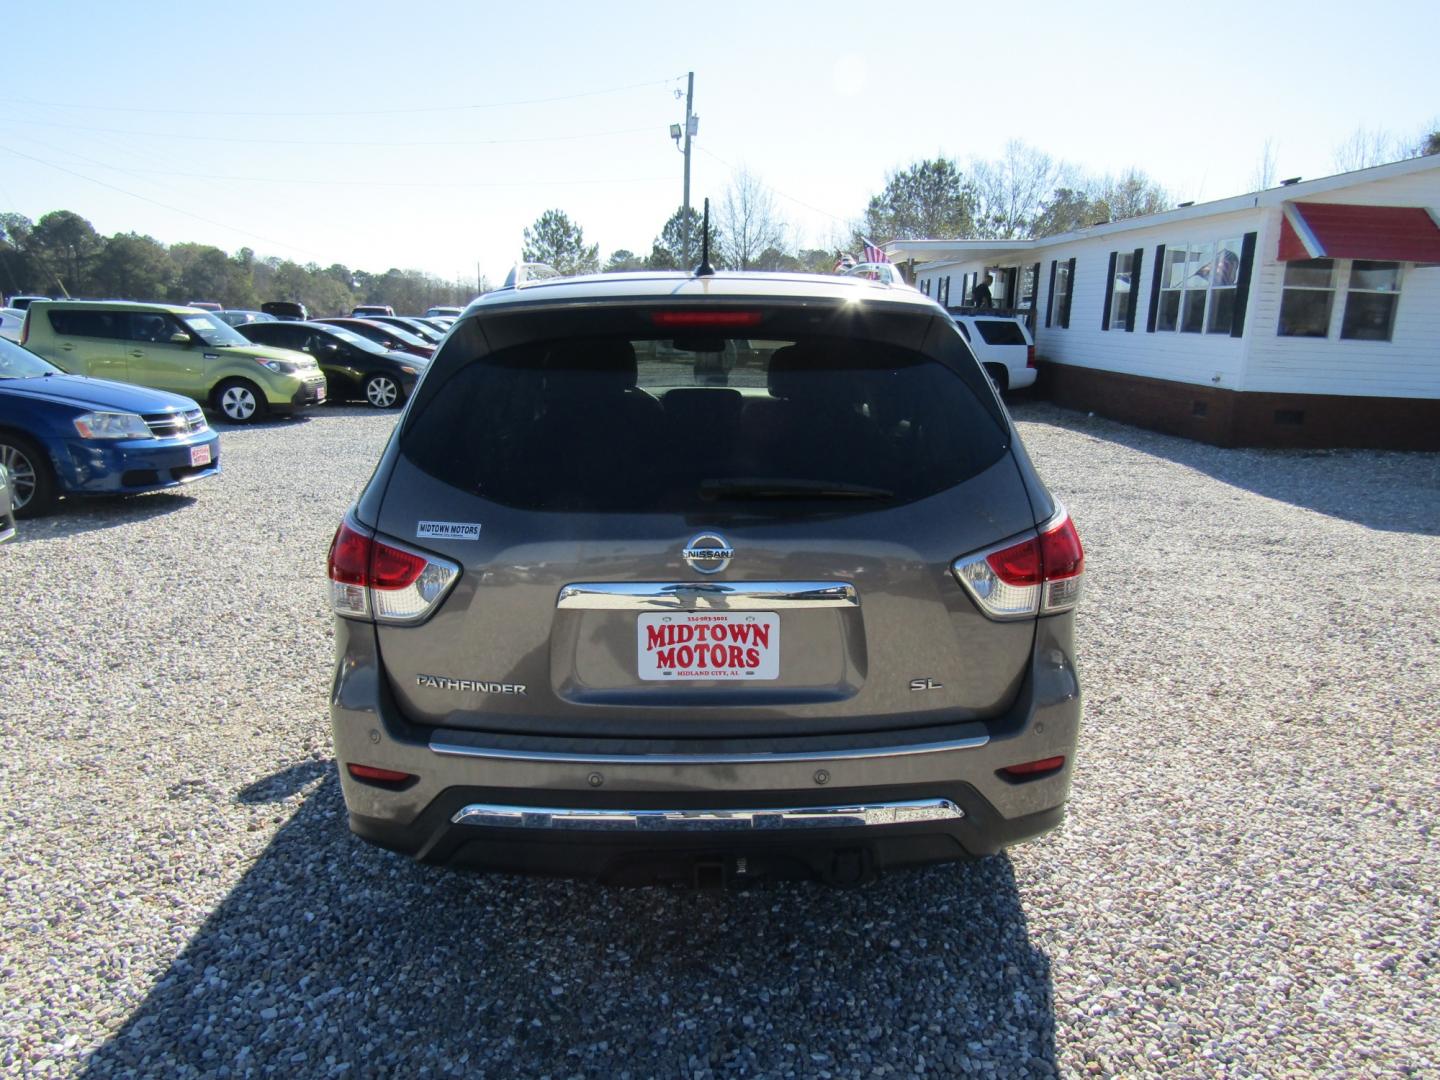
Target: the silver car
(606, 609)
(7, 506)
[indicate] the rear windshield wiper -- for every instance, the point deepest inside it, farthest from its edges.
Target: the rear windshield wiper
(759, 487)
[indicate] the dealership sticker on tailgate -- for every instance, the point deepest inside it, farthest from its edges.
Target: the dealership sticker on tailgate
(710, 645)
(447, 530)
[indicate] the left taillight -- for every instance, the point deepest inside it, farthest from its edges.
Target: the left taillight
(377, 579)
(1039, 575)
(1029, 356)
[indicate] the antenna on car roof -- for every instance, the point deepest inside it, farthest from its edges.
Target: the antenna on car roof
(705, 269)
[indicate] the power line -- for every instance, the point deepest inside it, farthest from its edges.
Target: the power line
(372, 143)
(801, 202)
(328, 181)
(157, 202)
(357, 112)
(334, 182)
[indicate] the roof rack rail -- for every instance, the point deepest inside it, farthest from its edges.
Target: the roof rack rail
(528, 273)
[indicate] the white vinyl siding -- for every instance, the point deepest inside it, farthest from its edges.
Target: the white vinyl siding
(1407, 365)
(1205, 359)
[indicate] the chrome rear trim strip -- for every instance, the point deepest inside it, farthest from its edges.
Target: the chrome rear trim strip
(757, 820)
(707, 596)
(460, 750)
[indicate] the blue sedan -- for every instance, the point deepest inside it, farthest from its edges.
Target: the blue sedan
(70, 435)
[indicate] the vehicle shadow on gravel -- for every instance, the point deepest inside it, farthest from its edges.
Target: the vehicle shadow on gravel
(81, 515)
(1391, 491)
(332, 958)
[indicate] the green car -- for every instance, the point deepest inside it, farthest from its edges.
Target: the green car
(180, 349)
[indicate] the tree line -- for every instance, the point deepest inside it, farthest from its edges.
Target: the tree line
(1025, 192)
(62, 254)
(1022, 193)
(746, 233)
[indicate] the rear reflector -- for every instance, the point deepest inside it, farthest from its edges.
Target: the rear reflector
(1038, 575)
(1032, 768)
(379, 776)
(379, 579)
(701, 319)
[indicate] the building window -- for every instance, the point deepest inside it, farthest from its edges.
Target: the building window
(1061, 299)
(1371, 300)
(1223, 275)
(1197, 287)
(1120, 290)
(1307, 298)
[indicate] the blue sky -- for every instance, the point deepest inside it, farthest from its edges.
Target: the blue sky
(380, 135)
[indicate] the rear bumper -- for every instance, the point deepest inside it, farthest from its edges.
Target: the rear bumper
(1020, 378)
(842, 855)
(671, 807)
(104, 467)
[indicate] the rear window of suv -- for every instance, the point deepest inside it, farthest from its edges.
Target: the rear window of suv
(638, 424)
(1000, 332)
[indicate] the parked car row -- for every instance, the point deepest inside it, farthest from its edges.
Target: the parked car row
(245, 365)
(177, 349)
(355, 366)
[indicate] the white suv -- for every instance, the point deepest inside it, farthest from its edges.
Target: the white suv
(1003, 345)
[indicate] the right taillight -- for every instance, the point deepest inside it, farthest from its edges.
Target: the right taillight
(1029, 356)
(377, 579)
(1040, 574)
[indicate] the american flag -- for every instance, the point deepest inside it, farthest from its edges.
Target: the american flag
(875, 254)
(843, 263)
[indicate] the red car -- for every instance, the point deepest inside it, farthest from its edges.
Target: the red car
(391, 337)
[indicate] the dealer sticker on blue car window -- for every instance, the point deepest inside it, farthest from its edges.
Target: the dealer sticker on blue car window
(447, 530)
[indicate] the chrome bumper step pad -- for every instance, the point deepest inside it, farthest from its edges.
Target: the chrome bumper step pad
(490, 815)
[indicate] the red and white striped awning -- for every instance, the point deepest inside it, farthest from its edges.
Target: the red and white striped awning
(1344, 231)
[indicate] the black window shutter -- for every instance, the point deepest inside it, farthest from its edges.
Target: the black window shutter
(1136, 259)
(1109, 292)
(1242, 284)
(1034, 299)
(1155, 288)
(1069, 295)
(1050, 296)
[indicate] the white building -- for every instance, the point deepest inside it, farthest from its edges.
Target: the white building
(1303, 315)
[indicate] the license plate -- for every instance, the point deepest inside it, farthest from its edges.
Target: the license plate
(320, 392)
(712, 645)
(200, 455)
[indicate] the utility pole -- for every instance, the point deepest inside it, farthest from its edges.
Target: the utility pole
(689, 131)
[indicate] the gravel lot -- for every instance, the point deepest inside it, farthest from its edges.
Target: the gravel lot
(1246, 885)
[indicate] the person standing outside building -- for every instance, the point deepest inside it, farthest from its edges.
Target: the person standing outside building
(980, 295)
